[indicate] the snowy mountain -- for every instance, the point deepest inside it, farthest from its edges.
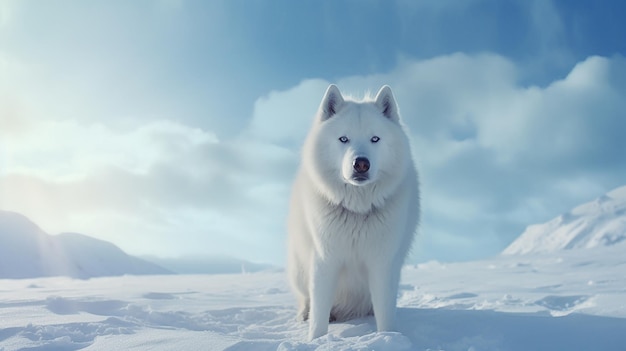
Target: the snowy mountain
(601, 222)
(26, 251)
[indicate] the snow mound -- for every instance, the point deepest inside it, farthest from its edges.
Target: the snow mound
(601, 222)
(26, 251)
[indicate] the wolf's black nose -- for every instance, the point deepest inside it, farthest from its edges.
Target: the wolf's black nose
(361, 164)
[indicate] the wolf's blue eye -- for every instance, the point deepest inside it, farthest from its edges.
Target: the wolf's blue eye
(344, 139)
(375, 139)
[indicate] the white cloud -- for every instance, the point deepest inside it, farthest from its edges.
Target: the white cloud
(63, 150)
(281, 117)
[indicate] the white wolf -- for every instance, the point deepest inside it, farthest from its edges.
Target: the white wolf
(354, 211)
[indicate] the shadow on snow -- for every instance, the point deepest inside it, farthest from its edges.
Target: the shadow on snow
(451, 330)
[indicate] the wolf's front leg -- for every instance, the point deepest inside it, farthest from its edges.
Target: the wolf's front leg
(383, 284)
(323, 284)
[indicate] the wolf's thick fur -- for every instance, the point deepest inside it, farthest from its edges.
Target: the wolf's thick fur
(354, 211)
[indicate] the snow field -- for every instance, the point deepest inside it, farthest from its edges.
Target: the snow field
(573, 300)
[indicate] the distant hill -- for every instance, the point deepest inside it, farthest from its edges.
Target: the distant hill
(209, 265)
(601, 222)
(28, 252)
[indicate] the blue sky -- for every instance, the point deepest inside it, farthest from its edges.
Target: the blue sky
(173, 127)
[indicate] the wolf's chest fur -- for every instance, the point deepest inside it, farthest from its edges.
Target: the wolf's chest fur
(350, 234)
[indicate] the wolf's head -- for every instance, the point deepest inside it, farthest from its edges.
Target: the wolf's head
(357, 144)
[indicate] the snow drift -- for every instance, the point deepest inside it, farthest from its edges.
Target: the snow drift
(601, 222)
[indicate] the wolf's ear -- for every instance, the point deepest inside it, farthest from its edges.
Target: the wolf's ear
(387, 103)
(331, 103)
